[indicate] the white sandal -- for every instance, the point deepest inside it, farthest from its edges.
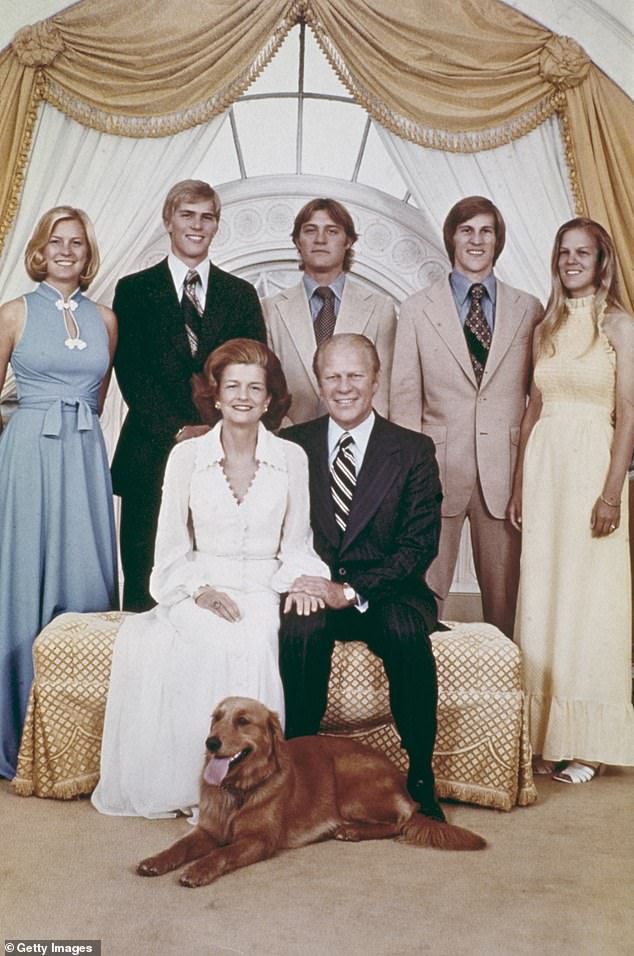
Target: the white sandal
(575, 772)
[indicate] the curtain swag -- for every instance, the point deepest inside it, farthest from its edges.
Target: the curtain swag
(455, 75)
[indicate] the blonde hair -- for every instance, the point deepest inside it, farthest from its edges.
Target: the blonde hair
(189, 190)
(34, 260)
(605, 281)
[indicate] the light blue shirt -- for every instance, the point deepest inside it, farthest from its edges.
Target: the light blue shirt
(460, 286)
(315, 301)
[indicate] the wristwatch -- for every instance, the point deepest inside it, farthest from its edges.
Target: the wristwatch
(349, 593)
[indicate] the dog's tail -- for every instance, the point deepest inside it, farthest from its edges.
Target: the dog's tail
(420, 830)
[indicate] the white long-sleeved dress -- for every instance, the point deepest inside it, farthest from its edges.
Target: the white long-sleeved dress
(173, 664)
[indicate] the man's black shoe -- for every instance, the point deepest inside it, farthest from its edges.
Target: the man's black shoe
(423, 793)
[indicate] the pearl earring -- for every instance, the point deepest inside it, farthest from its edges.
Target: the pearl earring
(217, 405)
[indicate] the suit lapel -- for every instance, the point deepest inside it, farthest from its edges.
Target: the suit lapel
(295, 314)
(355, 309)
(316, 447)
(508, 318)
(381, 467)
(214, 313)
(443, 316)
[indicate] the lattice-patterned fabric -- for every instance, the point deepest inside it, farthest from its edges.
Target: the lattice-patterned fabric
(61, 741)
(482, 753)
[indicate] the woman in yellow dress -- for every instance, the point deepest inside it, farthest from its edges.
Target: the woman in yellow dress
(570, 502)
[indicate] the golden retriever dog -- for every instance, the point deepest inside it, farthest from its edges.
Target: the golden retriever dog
(260, 794)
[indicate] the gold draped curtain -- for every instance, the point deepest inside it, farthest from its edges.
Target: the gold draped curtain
(458, 75)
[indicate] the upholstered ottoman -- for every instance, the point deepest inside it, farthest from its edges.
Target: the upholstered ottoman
(61, 740)
(482, 754)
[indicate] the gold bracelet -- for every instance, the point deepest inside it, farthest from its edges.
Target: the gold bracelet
(610, 504)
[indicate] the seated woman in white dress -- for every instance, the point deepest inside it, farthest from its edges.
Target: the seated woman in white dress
(233, 534)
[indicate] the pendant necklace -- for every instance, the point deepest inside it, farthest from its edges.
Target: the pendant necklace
(74, 341)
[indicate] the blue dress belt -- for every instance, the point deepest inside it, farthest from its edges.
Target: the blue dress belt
(55, 406)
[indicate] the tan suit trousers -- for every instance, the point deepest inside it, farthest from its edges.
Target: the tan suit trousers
(496, 556)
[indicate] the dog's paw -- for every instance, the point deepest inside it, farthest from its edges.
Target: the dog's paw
(348, 833)
(196, 875)
(151, 867)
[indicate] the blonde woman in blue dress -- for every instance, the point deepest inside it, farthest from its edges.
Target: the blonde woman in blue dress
(57, 532)
(570, 503)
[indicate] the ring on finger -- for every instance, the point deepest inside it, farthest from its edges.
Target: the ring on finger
(612, 527)
(215, 605)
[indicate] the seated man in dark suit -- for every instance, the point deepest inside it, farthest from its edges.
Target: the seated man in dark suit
(171, 316)
(375, 513)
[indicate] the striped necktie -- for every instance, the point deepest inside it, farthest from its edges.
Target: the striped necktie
(192, 310)
(477, 331)
(343, 480)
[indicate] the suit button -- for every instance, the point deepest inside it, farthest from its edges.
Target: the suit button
(342, 572)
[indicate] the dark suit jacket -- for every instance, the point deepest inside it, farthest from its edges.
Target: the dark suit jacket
(394, 524)
(154, 366)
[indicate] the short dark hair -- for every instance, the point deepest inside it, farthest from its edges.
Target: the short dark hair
(242, 352)
(189, 190)
(338, 213)
(347, 338)
(466, 209)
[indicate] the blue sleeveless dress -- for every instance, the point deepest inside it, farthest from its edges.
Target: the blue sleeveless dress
(57, 532)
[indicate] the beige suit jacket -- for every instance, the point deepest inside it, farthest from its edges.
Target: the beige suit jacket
(434, 390)
(289, 328)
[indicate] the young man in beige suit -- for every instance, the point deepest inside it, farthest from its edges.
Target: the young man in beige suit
(325, 301)
(462, 364)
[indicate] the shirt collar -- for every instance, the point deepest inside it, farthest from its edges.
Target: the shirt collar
(360, 434)
(269, 449)
(179, 270)
(336, 285)
(461, 284)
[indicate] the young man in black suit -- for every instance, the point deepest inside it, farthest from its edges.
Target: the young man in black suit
(171, 316)
(375, 514)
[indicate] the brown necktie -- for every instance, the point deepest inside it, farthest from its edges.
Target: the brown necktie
(192, 309)
(477, 331)
(326, 318)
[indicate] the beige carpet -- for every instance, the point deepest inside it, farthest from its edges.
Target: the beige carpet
(556, 879)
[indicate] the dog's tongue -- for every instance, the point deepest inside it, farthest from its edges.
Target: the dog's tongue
(216, 770)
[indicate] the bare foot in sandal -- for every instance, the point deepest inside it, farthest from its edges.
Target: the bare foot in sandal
(544, 768)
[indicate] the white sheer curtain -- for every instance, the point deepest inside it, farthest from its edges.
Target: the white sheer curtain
(121, 183)
(526, 179)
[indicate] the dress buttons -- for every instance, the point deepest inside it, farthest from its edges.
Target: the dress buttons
(342, 572)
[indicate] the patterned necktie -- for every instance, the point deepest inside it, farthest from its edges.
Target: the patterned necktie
(477, 331)
(326, 318)
(343, 480)
(192, 309)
